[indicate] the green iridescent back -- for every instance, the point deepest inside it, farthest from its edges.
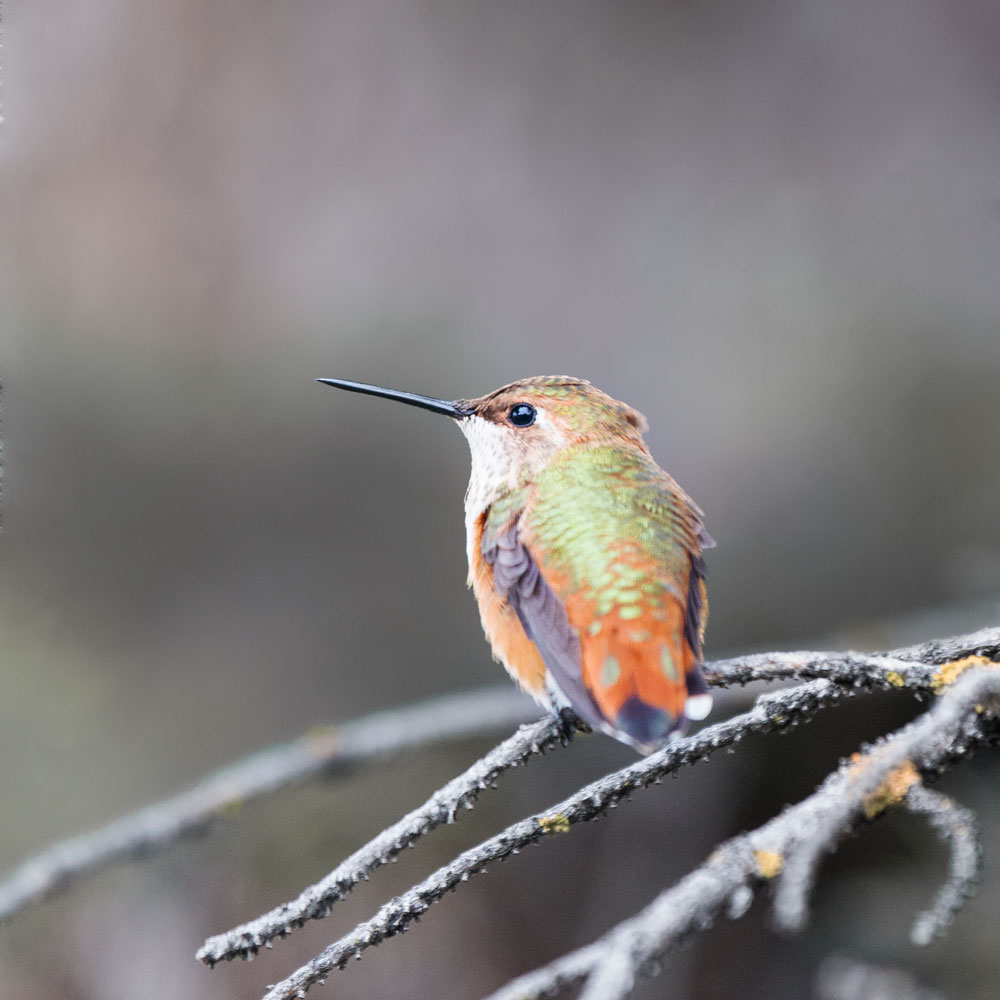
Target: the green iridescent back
(589, 505)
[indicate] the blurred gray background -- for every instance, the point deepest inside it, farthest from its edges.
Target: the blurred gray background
(772, 227)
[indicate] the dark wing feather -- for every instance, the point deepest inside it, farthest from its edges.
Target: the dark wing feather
(542, 614)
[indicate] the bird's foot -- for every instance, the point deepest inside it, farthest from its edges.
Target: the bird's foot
(570, 724)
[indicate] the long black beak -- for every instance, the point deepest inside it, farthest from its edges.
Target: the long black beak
(427, 402)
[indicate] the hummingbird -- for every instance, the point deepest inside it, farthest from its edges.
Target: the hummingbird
(585, 557)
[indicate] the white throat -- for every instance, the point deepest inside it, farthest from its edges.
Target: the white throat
(493, 465)
(493, 472)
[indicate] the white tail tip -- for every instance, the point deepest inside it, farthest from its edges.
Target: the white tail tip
(698, 706)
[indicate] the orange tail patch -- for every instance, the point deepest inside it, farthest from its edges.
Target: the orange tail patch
(635, 667)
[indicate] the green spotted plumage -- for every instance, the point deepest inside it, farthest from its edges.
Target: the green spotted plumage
(592, 499)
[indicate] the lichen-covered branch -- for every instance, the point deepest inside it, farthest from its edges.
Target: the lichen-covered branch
(322, 751)
(915, 667)
(316, 901)
(326, 750)
(887, 773)
(609, 967)
(939, 735)
(775, 710)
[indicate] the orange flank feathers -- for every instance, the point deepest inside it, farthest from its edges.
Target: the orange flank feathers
(511, 646)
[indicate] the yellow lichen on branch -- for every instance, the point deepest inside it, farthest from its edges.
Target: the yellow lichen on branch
(769, 863)
(556, 823)
(892, 790)
(948, 673)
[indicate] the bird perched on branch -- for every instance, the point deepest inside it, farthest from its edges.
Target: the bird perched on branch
(584, 555)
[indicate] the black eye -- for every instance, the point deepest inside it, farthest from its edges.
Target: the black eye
(521, 415)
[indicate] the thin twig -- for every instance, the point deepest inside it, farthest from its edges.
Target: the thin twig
(317, 901)
(957, 826)
(775, 710)
(746, 862)
(322, 751)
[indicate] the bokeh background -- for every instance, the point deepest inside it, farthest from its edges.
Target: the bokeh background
(773, 227)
